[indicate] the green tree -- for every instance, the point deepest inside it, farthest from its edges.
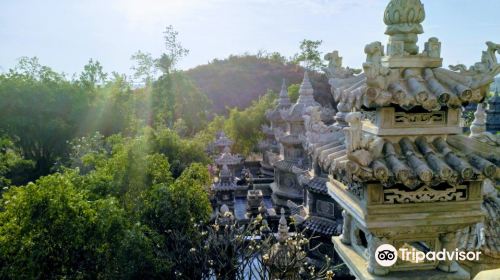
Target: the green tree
(145, 68)
(181, 205)
(309, 55)
(293, 92)
(12, 165)
(126, 172)
(175, 51)
(191, 105)
(177, 212)
(40, 111)
(49, 229)
(113, 108)
(180, 152)
(93, 74)
(245, 127)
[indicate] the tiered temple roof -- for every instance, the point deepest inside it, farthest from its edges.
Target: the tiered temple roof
(223, 141)
(413, 83)
(226, 180)
(322, 226)
(226, 158)
(413, 161)
(318, 185)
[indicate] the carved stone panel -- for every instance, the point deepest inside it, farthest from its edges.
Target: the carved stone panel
(325, 208)
(403, 119)
(425, 194)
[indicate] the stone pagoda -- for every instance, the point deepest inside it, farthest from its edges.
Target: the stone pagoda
(225, 185)
(222, 142)
(286, 186)
(224, 188)
(404, 174)
(269, 146)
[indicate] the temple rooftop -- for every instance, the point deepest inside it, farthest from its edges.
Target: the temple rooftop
(403, 76)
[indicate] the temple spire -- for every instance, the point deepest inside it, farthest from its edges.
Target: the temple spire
(306, 91)
(284, 100)
(283, 228)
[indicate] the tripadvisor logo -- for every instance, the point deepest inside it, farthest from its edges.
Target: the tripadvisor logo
(386, 255)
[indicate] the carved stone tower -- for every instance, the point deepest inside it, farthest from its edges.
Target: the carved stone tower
(269, 146)
(404, 174)
(286, 186)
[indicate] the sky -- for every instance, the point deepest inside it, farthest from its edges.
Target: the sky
(65, 34)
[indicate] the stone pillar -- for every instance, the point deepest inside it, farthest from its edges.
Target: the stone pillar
(373, 266)
(345, 237)
(449, 243)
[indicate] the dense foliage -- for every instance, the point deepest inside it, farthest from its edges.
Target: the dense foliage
(245, 126)
(12, 165)
(75, 223)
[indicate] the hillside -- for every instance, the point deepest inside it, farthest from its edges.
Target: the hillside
(238, 80)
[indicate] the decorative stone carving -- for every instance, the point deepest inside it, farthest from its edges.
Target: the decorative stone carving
(482, 73)
(478, 128)
(375, 73)
(353, 132)
(316, 131)
(425, 194)
(335, 68)
(325, 208)
(272, 157)
(433, 48)
(404, 119)
(403, 19)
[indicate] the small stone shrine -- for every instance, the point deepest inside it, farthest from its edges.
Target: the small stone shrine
(225, 186)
